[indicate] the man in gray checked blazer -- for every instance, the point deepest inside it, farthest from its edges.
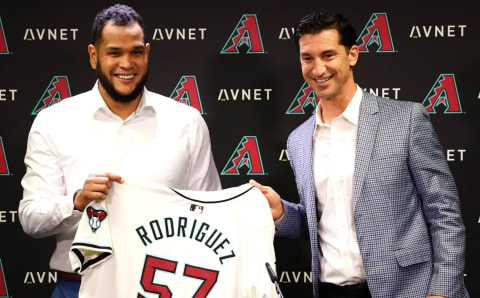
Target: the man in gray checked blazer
(377, 199)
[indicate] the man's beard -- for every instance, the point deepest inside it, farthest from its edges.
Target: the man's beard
(108, 86)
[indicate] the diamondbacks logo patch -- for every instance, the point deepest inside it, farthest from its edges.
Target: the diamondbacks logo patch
(305, 97)
(3, 160)
(444, 92)
(246, 34)
(56, 91)
(376, 31)
(95, 218)
(247, 154)
(3, 41)
(186, 92)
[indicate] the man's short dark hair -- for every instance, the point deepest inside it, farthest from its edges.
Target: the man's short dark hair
(119, 15)
(319, 21)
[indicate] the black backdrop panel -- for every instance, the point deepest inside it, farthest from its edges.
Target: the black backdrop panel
(249, 90)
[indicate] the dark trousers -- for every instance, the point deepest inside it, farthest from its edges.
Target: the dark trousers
(66, 288)
(328, 290)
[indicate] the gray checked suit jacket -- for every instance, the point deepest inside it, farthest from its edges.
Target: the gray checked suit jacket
(406, 207)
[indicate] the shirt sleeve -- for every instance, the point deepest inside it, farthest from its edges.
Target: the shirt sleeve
(46, 209)
(203, 174)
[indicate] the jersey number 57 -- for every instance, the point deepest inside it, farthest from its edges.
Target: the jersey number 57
(152, 264)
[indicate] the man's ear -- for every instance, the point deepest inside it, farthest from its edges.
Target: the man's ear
(147, 46)
(353, 55)
(92, 52)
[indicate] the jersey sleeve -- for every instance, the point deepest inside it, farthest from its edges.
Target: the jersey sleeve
(260, 251)
(92, 243)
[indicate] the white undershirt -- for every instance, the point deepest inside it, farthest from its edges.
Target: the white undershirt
(334, 155)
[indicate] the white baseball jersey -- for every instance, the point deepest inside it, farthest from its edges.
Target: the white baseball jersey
(153, 241)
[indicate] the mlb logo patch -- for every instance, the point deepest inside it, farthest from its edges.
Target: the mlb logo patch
(196, 208)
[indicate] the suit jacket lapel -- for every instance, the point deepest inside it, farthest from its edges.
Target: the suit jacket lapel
(366, 137)
(308, 157)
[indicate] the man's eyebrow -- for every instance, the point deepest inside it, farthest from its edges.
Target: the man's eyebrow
(329, 51)
(113, 48)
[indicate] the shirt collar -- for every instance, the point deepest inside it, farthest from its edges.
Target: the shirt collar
(146, 102)
(352, 111)
(99, 104)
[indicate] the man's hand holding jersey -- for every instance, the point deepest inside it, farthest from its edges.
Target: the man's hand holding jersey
(273, 198)
(96, 187)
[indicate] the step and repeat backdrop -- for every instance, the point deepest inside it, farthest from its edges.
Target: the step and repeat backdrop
(237, 64)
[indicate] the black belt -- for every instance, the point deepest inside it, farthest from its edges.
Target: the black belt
(70, 275)
(350, 291)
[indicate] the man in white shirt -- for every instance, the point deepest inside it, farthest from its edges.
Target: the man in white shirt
(77, 148)
(377, 199)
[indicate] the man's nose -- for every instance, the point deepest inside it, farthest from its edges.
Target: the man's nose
(318, 68)
(126, 61)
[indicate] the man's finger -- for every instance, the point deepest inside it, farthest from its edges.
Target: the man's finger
(109, 176)
(97, 187)
(115, 177)
(257, 185)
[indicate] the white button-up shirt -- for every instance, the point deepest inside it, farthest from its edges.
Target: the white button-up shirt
(163, 142)
(334, 157)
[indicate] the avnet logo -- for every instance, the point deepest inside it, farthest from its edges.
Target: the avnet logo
(62, 34)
